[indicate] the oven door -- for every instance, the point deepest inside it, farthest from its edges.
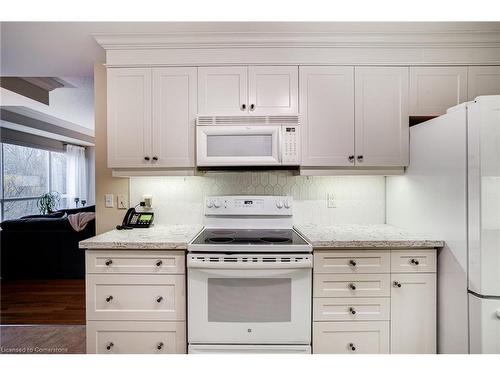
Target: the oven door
(259, 302)
(234, 145)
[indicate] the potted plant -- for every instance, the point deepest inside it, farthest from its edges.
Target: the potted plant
(48, 202)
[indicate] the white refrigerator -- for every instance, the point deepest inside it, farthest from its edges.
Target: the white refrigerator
(452, 190)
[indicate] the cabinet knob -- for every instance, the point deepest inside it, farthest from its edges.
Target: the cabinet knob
(159, 299)
(360, 157)
(108, 262)
(159, 346)
(243, 107)
(252, 107)
(109, 298)
(351, 309)
(352, 347)
(109, 345)
(396, 284)
(155, 158)
(351, 158)
(352, 263)
(352, 286)
(415, 262)
(159, 263)
(147, 158)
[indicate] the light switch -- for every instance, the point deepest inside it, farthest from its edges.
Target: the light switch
(108, 201)
(121, 202)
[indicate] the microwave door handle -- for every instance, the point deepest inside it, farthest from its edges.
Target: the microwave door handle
(280, 145)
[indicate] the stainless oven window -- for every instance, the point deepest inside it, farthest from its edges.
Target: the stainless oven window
(239, 145)
(249, 299)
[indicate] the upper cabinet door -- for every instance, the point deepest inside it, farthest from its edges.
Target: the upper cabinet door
(273, 90)
(381, 116)
(174, 112)
(223, 90)
(483, 80)
(129, 117)
(327, 115)
(435, 89)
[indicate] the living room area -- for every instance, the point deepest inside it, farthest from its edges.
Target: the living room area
(47, 204)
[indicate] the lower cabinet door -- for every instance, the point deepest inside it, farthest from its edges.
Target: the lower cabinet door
(351, 337)
(413, 313)
(126, 337)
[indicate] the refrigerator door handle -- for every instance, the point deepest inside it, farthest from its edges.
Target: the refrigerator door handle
(498, 313)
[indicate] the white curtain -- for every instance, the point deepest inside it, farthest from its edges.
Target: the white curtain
(76, 174)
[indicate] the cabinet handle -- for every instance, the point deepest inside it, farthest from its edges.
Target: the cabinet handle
(159, 263)
(109, 345)
(108, 262)
(243, 107)
(352, 263)
(351, 309)
(159, 346)
(360, 157)
(415, 262)
(147, 158)
(352, 286)
(109, 298)
(396, 284)
(155, 158)
(159, 299)
(252, 107)
(351, 158)
(352, 347)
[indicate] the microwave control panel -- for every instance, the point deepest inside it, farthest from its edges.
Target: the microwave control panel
(290, 145)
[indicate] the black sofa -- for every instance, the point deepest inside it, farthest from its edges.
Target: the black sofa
(43, 246)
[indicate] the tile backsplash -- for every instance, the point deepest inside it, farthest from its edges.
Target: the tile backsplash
(179, 200)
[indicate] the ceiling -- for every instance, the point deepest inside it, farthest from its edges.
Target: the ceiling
(60, 49)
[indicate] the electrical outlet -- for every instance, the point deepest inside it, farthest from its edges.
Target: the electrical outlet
(121, 202)
(108, 201)
(330, 200)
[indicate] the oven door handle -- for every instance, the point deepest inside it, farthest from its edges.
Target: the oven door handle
(249, 265)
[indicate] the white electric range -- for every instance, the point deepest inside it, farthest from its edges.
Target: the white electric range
(249, 279)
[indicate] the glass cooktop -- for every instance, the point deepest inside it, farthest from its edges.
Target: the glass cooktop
(249, 237)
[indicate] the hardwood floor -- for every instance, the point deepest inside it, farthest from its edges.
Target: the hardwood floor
(49, 302)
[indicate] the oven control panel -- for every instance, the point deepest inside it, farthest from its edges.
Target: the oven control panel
(290, 145)
(249, 205)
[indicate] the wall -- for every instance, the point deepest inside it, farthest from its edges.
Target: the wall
(106, 218)
(178, 200)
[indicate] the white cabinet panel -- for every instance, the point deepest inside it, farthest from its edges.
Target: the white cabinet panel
(174, 113)
(413, 261)
(351, 309)
(483, 80)
(413, 313)
(129, 117)
(357, 261)
(340, 285)
(327, 115)
(381, 116)
(435, 89)
(273, 90)
(222, 90)
(351, 337)
(132, 337)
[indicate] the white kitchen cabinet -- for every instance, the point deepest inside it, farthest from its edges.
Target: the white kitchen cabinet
(413, 313)
(273, 90)
(483, 80)
(223, 90)
(327, 115)
(354, 261)
(174, 115)
(129, 117)
(243, 90)
(435, 89)
(381, 116)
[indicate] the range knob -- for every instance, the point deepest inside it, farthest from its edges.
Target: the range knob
(216, 203)
(210, 203)
(279, 204)
(287, 204)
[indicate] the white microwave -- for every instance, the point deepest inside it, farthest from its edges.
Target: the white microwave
(233, 141)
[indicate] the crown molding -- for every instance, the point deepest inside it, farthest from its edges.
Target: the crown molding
(467, 38)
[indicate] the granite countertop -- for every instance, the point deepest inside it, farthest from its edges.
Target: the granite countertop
(365, 236)
(157, 237)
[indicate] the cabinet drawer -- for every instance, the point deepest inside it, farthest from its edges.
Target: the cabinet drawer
(367, 285)
(349, 309)
(351, 337)
(362, 261)
(413, 261)
(135, 261)
(136, 297)
(136, 337)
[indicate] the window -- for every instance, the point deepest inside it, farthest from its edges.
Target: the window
(27, 173)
